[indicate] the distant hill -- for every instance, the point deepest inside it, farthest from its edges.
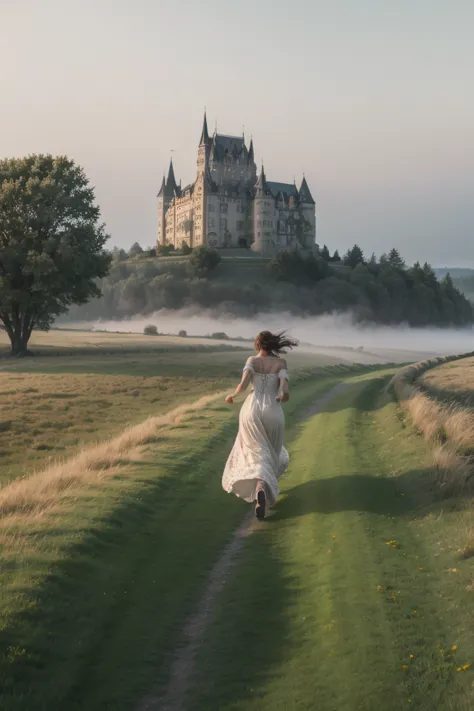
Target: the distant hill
(463, 279)
(456, 272)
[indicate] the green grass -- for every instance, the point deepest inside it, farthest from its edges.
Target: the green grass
(303, 623)
(93, 595)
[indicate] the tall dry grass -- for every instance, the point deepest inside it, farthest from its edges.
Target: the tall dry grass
(44, 490)
(449, 427)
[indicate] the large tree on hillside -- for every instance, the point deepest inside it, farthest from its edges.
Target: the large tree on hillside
(51, 243)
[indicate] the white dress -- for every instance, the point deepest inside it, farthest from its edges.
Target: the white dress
(258, 452)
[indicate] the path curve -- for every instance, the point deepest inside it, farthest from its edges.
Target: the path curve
(194, 629)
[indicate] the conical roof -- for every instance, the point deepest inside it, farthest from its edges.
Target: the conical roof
(305, 193)
(261, 187)
(162, 189)
(251, 151)
(205, 134)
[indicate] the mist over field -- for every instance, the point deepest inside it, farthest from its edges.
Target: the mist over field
(338, 331)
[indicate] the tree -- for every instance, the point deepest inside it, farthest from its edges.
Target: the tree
(335, 257)
(395, 259)
(51, 243)
(135, 250)
(150, 330)
(203, 260)
(354, 256)
(185, 248)
(325, 254)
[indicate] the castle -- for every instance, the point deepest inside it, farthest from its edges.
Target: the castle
(227, 206)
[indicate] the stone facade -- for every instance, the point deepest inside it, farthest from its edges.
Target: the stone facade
(228, 206)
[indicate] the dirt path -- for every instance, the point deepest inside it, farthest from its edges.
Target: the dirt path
(195, 627)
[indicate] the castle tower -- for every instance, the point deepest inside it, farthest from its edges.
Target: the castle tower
(165, 196)
(264, 217)
(201, 187)
(308, 213)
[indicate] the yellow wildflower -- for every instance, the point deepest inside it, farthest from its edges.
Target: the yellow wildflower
(420, 568)
(459, 669)
(412, 656)
(404, 667)
(414, 612)
(379, 587)
(466, 666)
(453, 648)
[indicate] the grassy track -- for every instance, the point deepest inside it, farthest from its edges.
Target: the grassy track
(93, 597)
(354, 595)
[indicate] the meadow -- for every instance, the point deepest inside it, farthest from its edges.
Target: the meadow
(82, 387)
(356, 593)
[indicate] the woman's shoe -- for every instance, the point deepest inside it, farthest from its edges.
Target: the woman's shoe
(260, 507)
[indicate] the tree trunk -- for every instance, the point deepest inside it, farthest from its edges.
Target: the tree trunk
(19, 330)
(19, 344)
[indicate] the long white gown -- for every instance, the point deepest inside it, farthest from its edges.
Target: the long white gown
(258, 452)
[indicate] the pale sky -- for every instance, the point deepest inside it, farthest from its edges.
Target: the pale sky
(372, 99)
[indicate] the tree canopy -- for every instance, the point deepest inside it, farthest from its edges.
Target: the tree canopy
(52, 244)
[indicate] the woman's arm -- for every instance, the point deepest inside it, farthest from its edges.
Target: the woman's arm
(284, 394)
(243, 385)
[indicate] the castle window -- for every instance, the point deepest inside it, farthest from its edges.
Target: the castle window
(211, 207)
(240, 224)
(211, 222)
(224, 207)
(223, 223)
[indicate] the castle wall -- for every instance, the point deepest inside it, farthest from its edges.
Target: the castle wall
(229, 221)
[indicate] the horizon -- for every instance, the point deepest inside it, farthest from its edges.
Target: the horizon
(369, 102)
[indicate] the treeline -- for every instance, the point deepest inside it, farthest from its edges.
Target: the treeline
(382, 290)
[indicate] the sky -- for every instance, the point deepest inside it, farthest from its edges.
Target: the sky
(372, 100)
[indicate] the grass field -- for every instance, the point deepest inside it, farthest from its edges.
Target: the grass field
(355, 594)
(84, 386)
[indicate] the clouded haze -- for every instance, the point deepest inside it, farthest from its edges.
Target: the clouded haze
(372, 100)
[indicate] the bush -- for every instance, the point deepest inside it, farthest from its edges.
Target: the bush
(164, 250)
(220, 335)
(182, 334)
(135, 250)
(204, 260)
(185, 248)
(150, 330)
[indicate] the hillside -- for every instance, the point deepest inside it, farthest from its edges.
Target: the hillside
(383, 290)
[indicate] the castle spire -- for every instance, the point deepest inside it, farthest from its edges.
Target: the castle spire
(162, 189)
(261, 188)
(171, 182)
(205, 134)
(251, 153)
(305, 193)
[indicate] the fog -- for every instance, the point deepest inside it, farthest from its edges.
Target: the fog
(323, 332)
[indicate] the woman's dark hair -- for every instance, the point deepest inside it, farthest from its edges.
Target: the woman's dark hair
(274, 343)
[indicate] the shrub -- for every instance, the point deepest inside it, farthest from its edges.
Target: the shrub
(204, 260)
(185, 248)
(182, 334)
(150, 330)
(220, 335)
